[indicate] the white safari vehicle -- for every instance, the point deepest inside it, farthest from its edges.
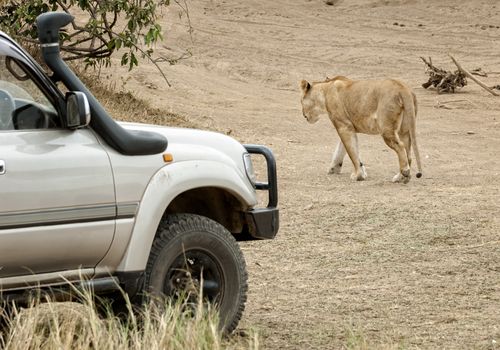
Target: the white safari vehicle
(106, 205)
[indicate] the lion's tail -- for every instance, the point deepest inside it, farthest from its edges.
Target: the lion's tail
(410, 110)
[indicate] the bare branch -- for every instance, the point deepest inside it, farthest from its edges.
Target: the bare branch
(477, 81)
(172, 61)
(185, 9)
(148, 56)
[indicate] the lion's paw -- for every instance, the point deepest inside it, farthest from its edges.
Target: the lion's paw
(406, 172)
(336, 169)
(398, 178)
(358, 176)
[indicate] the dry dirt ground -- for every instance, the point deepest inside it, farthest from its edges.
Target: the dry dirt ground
(377, 263)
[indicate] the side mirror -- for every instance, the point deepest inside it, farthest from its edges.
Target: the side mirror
(77, 110)
(30, 116)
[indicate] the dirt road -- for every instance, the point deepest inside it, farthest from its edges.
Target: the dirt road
(416, 265)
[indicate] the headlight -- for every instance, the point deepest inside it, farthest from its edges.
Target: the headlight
(247, 160)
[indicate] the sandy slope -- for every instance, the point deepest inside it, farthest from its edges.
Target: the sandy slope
(415, 265)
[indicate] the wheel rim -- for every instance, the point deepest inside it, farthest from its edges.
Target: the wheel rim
(188, 270)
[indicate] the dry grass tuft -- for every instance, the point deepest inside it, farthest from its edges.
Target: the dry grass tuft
(356, 339)
(71, 325)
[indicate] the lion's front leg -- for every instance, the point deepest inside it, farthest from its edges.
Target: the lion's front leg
(337, 159)
(339, 155)
(350, 142)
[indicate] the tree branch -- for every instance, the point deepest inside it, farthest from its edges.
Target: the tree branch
(470, 76)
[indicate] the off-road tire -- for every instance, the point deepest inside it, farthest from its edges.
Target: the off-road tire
(183, 235)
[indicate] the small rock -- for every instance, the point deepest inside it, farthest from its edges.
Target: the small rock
(470, 132)
(308, 207)
(330, 2)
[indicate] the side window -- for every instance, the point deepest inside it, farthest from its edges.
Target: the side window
(22, 104)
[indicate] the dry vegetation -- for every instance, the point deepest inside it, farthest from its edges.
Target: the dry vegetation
(125, 106)
(78, 326)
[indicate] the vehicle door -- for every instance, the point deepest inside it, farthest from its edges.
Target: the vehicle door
(57, 199)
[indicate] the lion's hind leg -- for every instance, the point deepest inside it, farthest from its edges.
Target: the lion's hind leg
(405, 138)
(392, 140)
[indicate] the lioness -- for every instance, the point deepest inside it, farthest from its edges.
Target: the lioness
(386, 107)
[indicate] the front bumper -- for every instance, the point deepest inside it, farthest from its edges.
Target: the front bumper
(263, 223)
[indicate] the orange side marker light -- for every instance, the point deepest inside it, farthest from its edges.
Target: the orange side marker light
(167, 157)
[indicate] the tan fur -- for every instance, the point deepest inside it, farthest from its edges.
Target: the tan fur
(385, 107)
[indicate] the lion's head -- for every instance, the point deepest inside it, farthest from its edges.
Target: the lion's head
(313, 102)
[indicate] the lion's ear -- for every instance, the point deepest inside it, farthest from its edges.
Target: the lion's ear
(304, 85)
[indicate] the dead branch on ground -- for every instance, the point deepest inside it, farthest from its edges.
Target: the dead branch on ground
(479, 71)
(445, 104)
(476, 80)
(444, 81)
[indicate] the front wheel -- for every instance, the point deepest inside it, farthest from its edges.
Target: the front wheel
(190, 250)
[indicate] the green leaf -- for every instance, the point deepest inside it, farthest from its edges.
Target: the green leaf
(124, 60)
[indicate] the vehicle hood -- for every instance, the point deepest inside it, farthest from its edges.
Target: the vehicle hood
(192, 144)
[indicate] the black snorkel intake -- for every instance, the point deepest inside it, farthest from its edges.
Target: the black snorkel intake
(124, 141)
